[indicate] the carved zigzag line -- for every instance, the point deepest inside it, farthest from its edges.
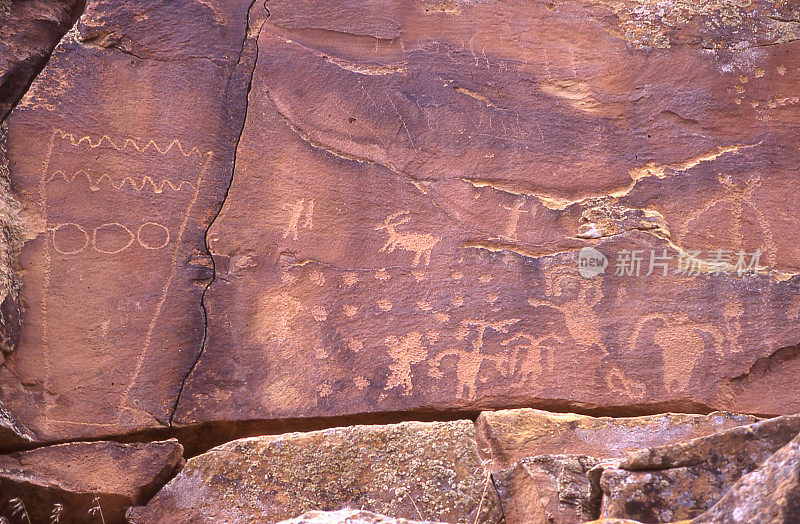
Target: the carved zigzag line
(157, 188)
(105, 139)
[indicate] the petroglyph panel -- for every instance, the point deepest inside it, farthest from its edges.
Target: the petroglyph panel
(403, 231)
(410, 197)
(120, 154)
(115, 212)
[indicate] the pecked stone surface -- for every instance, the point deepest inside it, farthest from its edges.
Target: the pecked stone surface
(81, 475)
(509, 435)
(345, 516)
(771, 493)
(411, 470)
(414, 183)
(120, 154)
(681, 481)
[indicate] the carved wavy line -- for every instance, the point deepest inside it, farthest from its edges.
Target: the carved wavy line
(105, 139)
(157, 188)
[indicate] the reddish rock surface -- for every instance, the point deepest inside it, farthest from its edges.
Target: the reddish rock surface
(410, 193)
(413, 470)
(509, 435)
(423, 177)
(769, 494)
(121, 153)
(549, 488)
(681, 481)
(29, 31)
(82, 475)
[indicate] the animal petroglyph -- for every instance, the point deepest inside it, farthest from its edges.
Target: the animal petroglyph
(469, 362)
(574, 297)
(682, 342)
(421, 244)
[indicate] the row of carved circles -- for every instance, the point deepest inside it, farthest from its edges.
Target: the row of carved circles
(149, 235)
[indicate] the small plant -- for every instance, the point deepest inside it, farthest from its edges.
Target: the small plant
(19, 509)
(96, 509)
(55, 515)
(487, 472)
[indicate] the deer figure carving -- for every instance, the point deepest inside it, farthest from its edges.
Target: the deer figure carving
(420, 244)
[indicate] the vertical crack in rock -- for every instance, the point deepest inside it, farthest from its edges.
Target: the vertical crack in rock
(250, 37)
(29, 34)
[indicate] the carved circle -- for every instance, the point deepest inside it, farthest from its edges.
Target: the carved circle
(152, 236)
(111, 238)
(65, 238)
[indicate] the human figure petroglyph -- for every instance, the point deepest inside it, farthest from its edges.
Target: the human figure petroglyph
(682, 343)
(301, 210)
(510, 232)
(405, 350)
(481, 326)
(421, 244)
(739, 196)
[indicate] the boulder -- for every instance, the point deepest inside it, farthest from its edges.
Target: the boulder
(681, 481)
(12, 433)
(412, 470)
(507, 436)
(72, 480)
(771, 493)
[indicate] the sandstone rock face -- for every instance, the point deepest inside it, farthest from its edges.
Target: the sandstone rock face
(550, 488)
(241, 213)
(413, 470)
(769, 494)
(82, 475)
(681, 481)
(424, 175)
(345, 516)
(29, 30)
(510, 435)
